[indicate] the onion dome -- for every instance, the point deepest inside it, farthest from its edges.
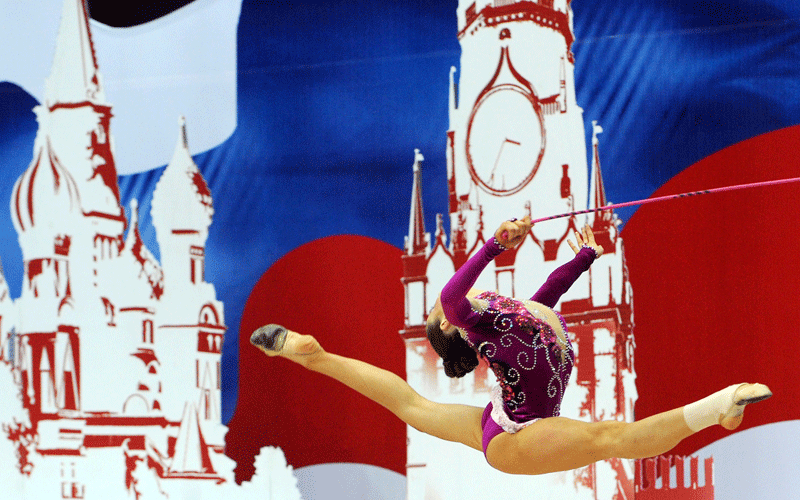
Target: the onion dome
(181, 199)
(145, 262)
(44, 202)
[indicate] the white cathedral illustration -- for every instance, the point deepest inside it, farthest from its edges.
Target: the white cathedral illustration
(516, 146)
(110, 359)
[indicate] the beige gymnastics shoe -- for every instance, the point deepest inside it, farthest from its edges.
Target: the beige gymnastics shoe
(270, 339)
(275, 340)
(744, 395)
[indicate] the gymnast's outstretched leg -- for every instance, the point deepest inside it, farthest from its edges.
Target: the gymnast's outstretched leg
(558, 443)
(451, 422)
(548, 445)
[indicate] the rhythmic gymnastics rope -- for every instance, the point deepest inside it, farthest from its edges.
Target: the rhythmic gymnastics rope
(669, 197)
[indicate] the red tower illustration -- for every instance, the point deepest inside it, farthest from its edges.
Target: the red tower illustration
(516, 147)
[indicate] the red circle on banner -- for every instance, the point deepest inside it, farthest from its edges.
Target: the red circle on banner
(346, 291)
(716, 282)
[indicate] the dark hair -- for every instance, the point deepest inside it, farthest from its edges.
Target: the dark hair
(457, 356)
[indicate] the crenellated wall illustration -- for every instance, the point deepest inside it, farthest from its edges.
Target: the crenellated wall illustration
(664, 478)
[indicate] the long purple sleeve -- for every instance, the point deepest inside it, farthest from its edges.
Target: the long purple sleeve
(457, 308)
(455, 304)
(531, 360)
(562, 278)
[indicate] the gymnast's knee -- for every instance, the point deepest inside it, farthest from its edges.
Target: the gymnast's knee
(607, 437)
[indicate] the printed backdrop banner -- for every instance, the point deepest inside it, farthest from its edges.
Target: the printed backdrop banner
(174, 182)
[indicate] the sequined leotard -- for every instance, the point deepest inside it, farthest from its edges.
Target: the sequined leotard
(524, 342)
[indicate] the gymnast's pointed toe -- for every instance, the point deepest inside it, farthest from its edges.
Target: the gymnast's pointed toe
(270, 339)
(744, 395)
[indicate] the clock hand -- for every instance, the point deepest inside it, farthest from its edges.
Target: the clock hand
(497, 160)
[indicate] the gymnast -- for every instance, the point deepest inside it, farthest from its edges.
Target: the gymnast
(527, 346)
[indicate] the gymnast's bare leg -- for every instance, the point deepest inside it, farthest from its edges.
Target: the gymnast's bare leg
(557, 443)
(451, 422)
(548, 445)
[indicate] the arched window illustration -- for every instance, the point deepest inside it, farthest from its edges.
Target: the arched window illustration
(147, 332)
(47, 390)
(208, 315)
(136, 404)
(197, 262)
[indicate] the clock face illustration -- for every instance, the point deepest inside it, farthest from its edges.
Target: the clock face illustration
(505, 139)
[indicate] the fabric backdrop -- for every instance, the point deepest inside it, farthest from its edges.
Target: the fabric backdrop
(306, 137)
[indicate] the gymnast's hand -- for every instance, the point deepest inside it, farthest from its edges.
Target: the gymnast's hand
(512, 232)
(587, 238)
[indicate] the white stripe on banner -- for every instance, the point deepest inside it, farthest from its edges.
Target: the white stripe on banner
(347, 481)
(742, 461)
(183, 64)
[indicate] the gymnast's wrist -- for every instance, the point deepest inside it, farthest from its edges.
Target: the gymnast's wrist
(592, 251)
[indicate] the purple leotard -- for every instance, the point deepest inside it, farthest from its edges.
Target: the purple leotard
(531, 361)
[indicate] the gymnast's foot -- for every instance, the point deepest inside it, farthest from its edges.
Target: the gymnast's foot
(275, 340)
(725, 407)
(743, 395)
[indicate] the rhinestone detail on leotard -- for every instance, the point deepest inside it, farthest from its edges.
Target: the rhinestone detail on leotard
(522, 343)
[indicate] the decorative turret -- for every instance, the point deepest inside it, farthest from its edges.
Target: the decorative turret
(46, 213)
(182, 211)
(550, 14)
(76, 119)
(602, 222)
(417, 246)
(75, 77)
(597, 190)
(417, 241)
(182, 185)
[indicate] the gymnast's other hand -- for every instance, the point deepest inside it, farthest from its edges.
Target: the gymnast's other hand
(512, 232)
(585, 239)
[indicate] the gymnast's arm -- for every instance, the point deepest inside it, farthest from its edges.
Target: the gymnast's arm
(455, 304)
(562, 278)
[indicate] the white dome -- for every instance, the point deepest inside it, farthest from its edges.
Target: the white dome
(44, 203)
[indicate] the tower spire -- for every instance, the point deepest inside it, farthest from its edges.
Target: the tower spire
(417, 242)
(191, 451)
(74, 77)
(597, 193)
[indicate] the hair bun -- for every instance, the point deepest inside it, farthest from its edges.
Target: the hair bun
(457, 356)
(459, 367)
